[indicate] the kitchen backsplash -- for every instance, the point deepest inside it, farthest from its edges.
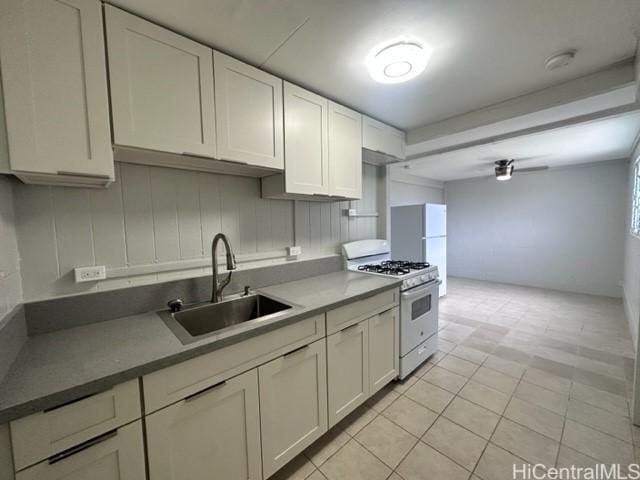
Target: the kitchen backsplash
(10, 285)
(156, 224)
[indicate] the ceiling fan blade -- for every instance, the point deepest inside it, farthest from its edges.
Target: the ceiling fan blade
(531, 169)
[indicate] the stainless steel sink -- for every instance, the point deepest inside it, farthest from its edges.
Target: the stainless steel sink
(194, 323)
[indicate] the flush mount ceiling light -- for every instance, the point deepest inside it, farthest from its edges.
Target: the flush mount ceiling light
(559, 60)
(398, 61)
(504, 169)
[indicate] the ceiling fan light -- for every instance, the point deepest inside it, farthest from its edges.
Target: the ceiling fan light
(504, 170)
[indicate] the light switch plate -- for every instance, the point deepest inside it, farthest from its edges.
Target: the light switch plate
(294, 251)
(90, 274)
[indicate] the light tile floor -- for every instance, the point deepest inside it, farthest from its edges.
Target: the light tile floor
(522, 375)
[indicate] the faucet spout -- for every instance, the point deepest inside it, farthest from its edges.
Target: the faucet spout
(218, 287)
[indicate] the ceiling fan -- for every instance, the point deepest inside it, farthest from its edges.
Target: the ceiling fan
(504, 168)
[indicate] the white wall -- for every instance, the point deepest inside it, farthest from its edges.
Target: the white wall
(561, 228)
(10, 282)
(409, 189)
(153, 220)
(631, 284)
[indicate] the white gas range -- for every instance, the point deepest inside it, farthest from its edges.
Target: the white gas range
(418, 297)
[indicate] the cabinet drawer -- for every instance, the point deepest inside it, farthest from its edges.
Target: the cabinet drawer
(47, 433)
(174, 383)
(116, 455)
(354, 312)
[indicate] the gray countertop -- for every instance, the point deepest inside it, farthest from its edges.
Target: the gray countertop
(58, 367)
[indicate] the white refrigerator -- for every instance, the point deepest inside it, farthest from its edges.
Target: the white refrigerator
(419, 233)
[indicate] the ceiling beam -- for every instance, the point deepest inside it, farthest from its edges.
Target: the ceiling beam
(591, 117)
(604, 92)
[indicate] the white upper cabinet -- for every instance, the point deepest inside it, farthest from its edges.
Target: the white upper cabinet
(323, 149)
(380, 137)
(249, 118)
(55, 88)
(345, 152)
(306, 142)
(161, 87)
(395, 142)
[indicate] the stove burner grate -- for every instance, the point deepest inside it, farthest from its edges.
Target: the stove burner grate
(393, 267)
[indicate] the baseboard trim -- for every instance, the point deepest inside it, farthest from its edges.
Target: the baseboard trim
(631, 314)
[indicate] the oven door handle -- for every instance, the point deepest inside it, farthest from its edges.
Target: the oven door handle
(419, 291)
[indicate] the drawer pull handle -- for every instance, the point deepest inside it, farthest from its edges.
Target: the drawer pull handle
(199, 155)
(196, 395)
(83, 446)
(211, 157)
(84, 397)
(296, 350)
(350, 327)
(80, 174)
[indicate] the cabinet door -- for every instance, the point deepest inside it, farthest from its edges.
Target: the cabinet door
(347, 370)
(373, 134)
(306, 146)
(384, 359)
(293, 404)
(55, 88)
(214, 434)
(345, 152)
(394, 142)
(380, 137)
(118, 455)
(249, 119)
(161, 87)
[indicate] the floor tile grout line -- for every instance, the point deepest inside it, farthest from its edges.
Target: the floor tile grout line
(564, 423)
(520, 380)
(441, 415)
(417, 440)
(578, 346)
(524, 426)
(565, 415)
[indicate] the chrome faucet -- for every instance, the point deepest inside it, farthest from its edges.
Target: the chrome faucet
(216, 291)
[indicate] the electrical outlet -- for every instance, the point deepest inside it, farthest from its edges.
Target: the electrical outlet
(90, 274)
(294, 251)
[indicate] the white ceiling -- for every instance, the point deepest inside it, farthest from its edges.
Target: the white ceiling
(484, 51)
(601, 140)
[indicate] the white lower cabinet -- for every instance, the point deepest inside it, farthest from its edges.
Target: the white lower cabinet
(347, 370)
(116, 455)
(293, 404)
(244, 427)
(384, 331)
(212, 434)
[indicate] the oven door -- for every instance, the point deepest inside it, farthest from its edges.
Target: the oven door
(418, 315)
